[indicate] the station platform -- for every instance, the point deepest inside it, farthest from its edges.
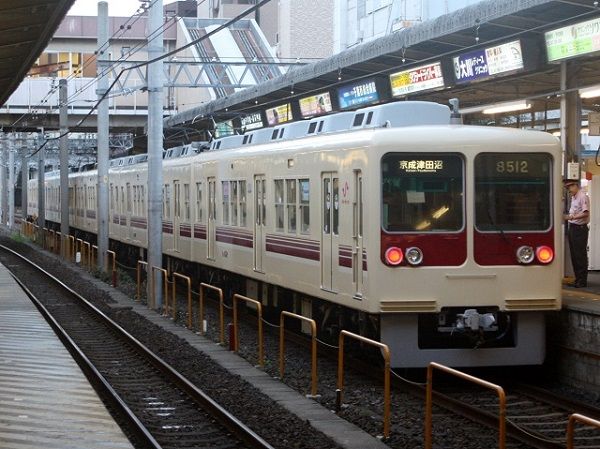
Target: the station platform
(584, 299)
(45, 399)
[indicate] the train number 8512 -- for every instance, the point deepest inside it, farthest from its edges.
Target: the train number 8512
(512, 166)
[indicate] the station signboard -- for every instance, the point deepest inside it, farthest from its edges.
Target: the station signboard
(315, 105)
(224, 129)
(252, 121)
(279, 114)
(573, 40)
(358, 94)
(484, 63)
(417, 79)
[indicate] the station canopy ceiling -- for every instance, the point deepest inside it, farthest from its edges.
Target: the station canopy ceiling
(26, 27)
(488, 23)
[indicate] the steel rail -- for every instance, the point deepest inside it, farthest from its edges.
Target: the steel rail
(234, 425)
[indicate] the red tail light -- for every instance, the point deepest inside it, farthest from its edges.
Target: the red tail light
(544, 254)
(394, 256)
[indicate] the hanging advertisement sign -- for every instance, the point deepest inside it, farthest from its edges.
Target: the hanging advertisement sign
(486, 62)
(573, 40)
(252, 121)
(417, 79)
(224, 129)
(315, 105)
(358, 94)
(279, 114)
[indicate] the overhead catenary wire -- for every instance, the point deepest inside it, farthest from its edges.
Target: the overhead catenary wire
(227, 24)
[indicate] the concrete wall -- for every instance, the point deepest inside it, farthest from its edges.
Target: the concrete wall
(572, 329)
(306, 28)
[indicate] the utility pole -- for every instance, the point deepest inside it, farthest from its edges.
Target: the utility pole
(41, 189)
(64, 165)
(103, 136)
(155, 147)
(24, 179)
(11, 181)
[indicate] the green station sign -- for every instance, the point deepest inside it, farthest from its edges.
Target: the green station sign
(573, 40)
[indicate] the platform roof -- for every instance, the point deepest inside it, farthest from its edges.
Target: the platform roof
(492, 21)
(26, 27)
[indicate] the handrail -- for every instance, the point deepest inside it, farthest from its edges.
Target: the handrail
(386, 375)
(313, 351)
(204, 286)
(138, 295)
(483, 383)
(165, 287)
(576, 417)
(114, 265)
(236, 338)
(188, 280)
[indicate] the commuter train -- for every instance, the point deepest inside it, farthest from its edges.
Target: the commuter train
(442, 241)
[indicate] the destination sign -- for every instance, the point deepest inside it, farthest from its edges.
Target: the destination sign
(279, 114)
(573, 40)
(223, 129)
(357, 94)
(417, 79)
(315, 105)
(486, 62)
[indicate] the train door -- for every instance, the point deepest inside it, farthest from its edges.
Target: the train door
(128, 213)
(357, 236)
(329, 228)
(260, 198)
(212, 219)
(176, 214)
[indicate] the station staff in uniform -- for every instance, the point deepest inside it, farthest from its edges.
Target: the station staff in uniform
(578, 219)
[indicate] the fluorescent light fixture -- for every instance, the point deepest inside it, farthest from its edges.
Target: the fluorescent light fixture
(510, 106)
(590, 92)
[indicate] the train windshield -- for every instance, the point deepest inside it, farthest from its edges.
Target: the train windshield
(422, 192)
(512, 192)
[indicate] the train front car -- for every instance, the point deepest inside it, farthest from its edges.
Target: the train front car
(470, 245)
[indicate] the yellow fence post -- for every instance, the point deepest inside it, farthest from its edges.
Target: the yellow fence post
(165, 287)
(236, 344)
(88, 252)
(138, 296)
(72, 248)
(93, 257)
(58, 243)
(576, 417)
(188, 281)
(467, 377)
(313, 335)
(219, 291)
(386, 376)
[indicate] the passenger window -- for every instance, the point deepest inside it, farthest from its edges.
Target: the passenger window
(279, 224)
(291, 205)
(304, 192)
(225, 189)
(321, 125)
(312, 127)
(358, 119)
(369, 118)
(274, 136)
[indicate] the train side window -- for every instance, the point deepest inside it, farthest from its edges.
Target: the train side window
(321, 123)
(225, 202)
(336, 206)
(122, 199)
(199, 202)
(112, 197)
(186, 201)
(304, 193)
(167, 201)
(279, 219)
(234, 202)
(245, 141)
(312, 127)
(128, 197)
(291, 205)
(369, 118)
(242, 196)
(274, 135)
(358, 119)
(143, 195)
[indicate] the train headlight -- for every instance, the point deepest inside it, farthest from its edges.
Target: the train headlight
(544, 254)
(525, 254)
(414, 255)
(394, 256)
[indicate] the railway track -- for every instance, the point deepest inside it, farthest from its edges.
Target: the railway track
(158, 407)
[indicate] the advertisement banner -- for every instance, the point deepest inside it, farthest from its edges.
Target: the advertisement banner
(358, 94)
(224, 129)
(279, 114)
(315, 105)
(486, 62)
(418, 79)
(252, 121)
(573, 40)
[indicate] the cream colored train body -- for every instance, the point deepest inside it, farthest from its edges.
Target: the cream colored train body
(330, 215)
